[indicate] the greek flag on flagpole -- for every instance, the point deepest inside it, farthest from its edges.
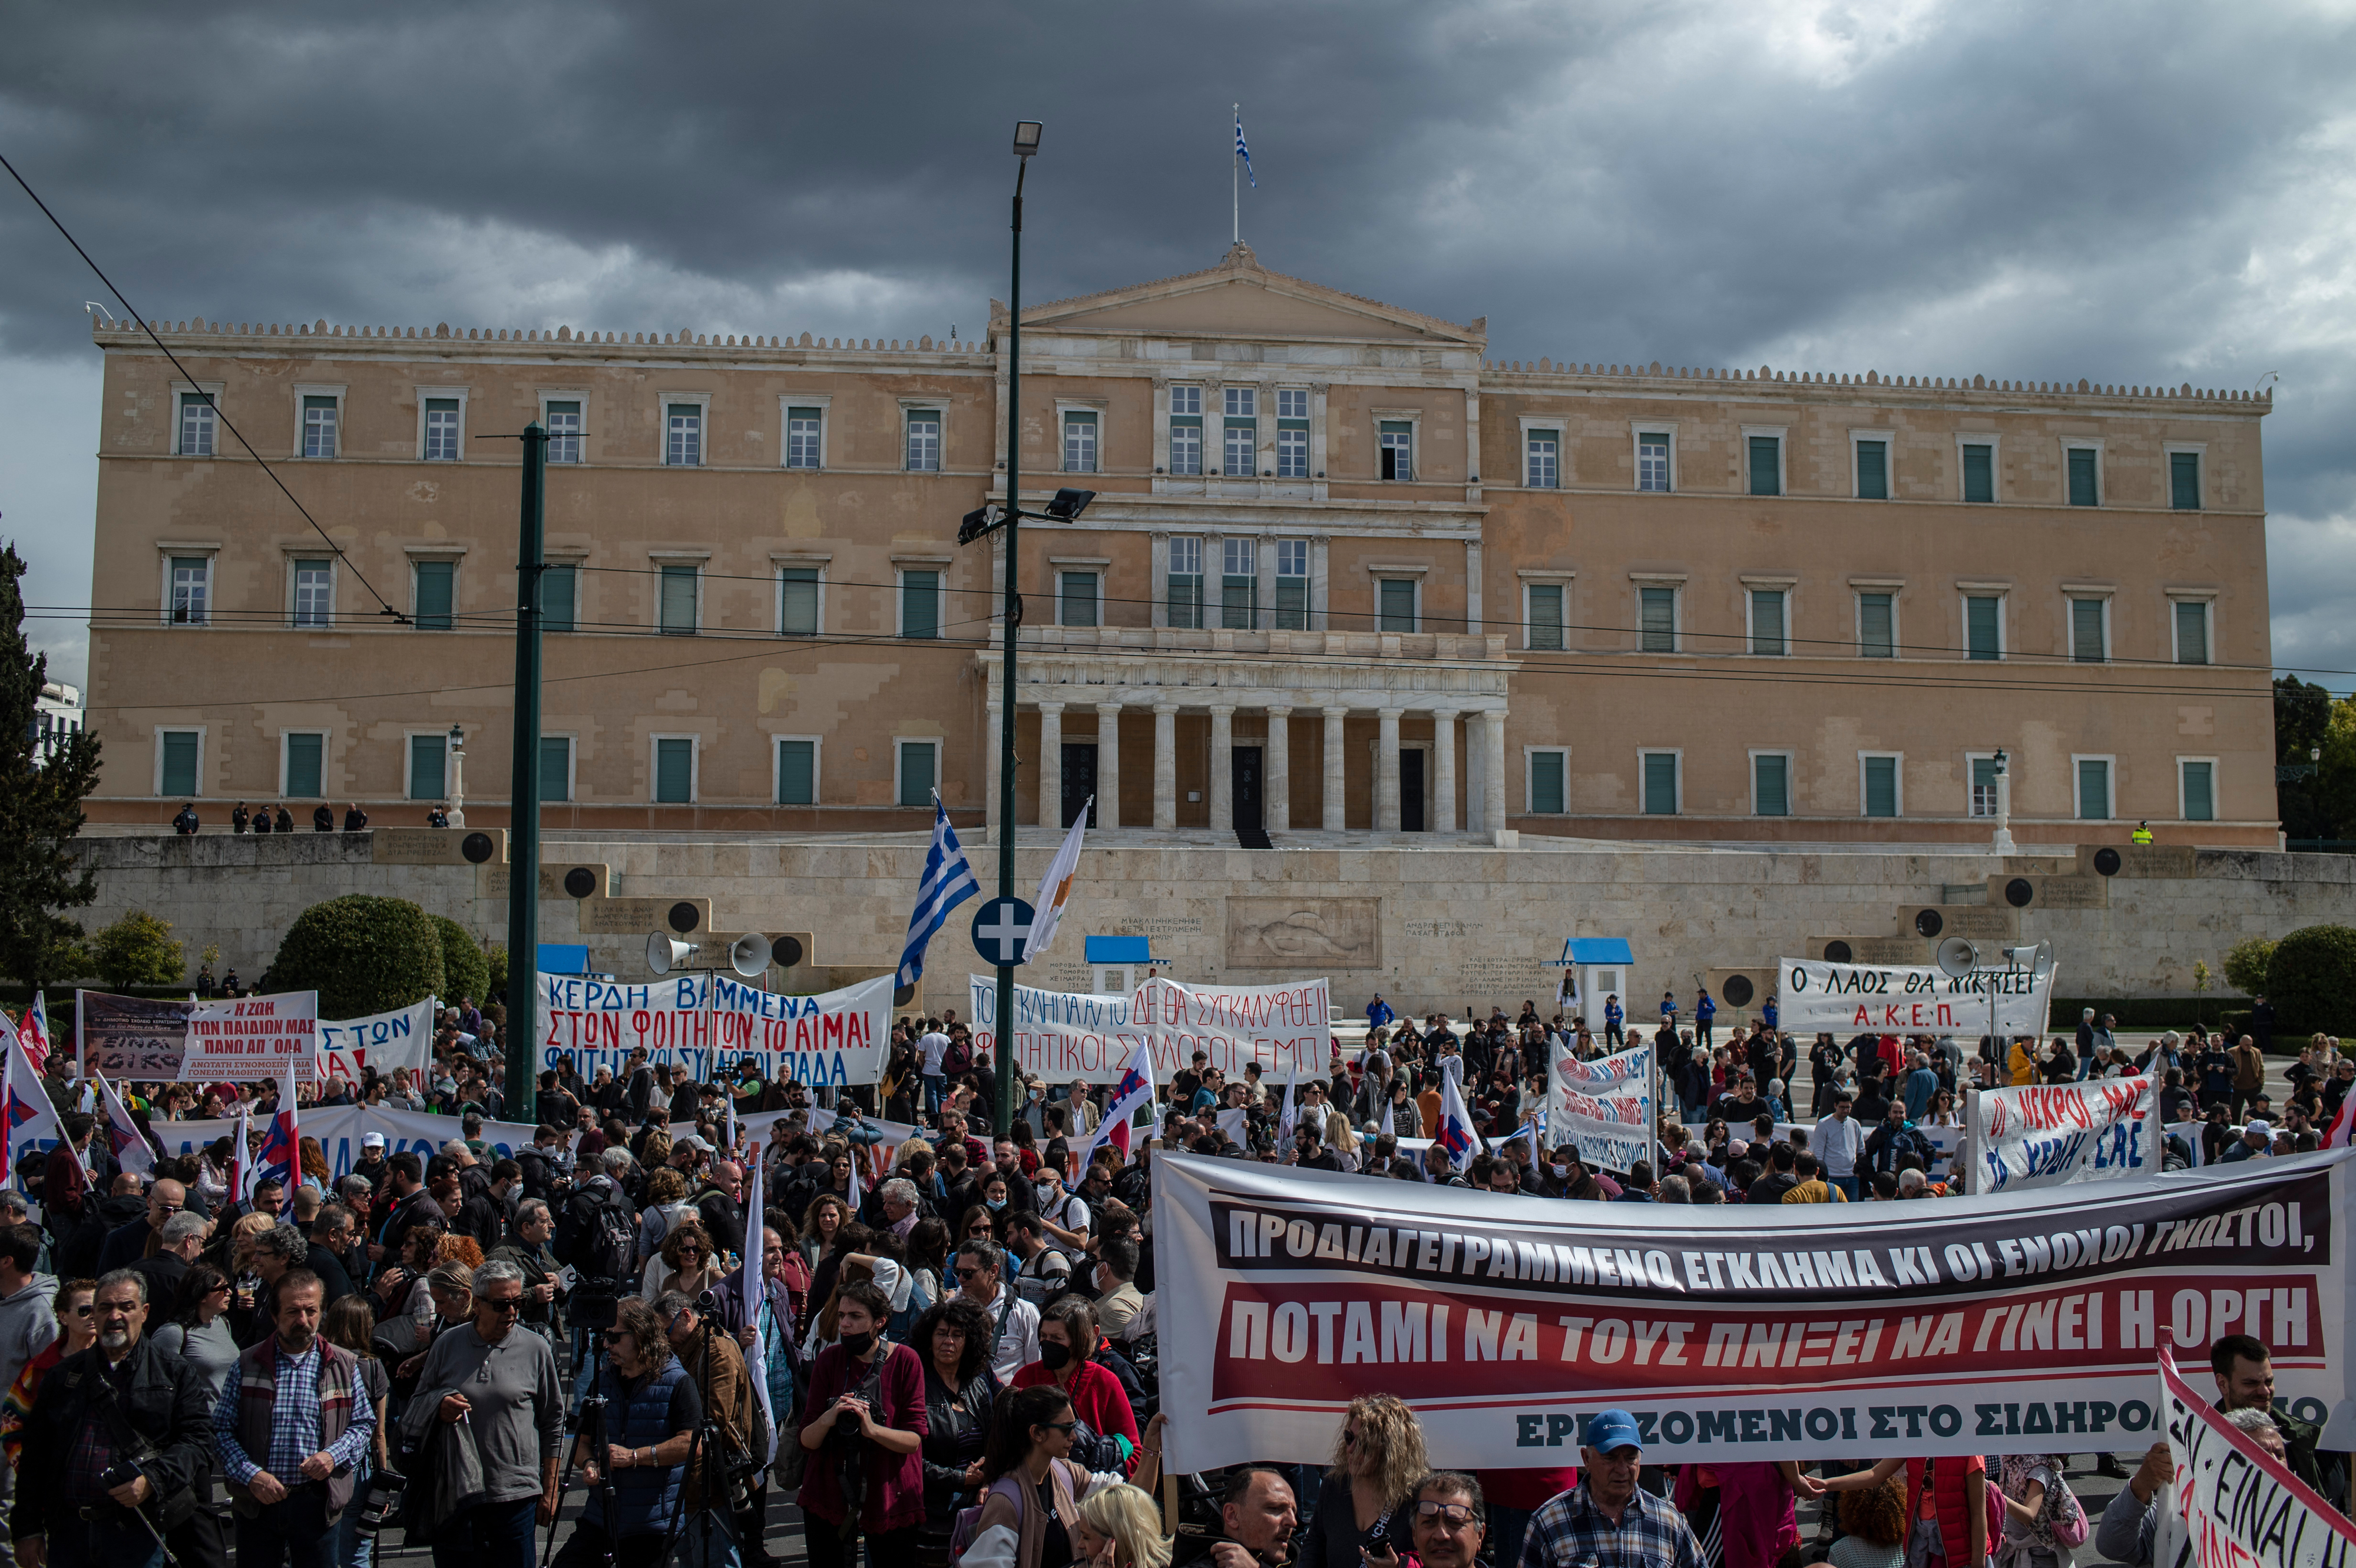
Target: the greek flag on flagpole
(1244, 152)
(947, 883)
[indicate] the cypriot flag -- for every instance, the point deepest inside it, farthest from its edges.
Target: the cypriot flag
(1055, 887)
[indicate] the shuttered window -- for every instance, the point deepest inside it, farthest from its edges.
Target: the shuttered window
(918, 772)
(1238, 584)
(437, 588)
(2093, 789)
(679, 586)
(1983, 786)
(2084, 490)
(796, 773)
(1984, 628)
(920, 603)
(1076, 599)
(555, 768)
(1767, 622)
(1292, 585)
(797, 601)
(1398, 604)
(1766, 465)
(675, 770)
(1877, 626)
(2086, 631)
(1547, 783)
(181, 749)
(427, 755)
(1186, 429)
(1873, 470)
(2184, 480)
(1771, 786)
(1660, 783)
(305, 766)
(560, 598)
(1658, 626)
(2199, 792)
(2192, 632)
(1545, 626)
(1880, 785)
(1185, 588)
(1979, 473)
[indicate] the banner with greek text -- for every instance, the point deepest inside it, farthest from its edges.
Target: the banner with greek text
(340, 1128)
(1066, 1035)
(2011, 1323)
(233, 1040)
(710, 1021)
(2233, 1504)
(385, 1041)
(2049, 1135)
(1604, 1105)
(1911, 999)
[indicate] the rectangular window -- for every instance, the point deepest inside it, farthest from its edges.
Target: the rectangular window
(1185, 430)
(1546, 798)
(1658, 628)
(555, 768)
(2084, 489)
(1771, 785)
(1873, 470)
(1292, 585)
(1292, 433)
(923, 426)
(1079, 442)
(1076, 598)
(437, 583)
(677, 611)
(1240, 403)
(198, 420)
(803, 432)
(1238, 584)
(796, 773)
(1544, 464)
(1292, 402)
(192, 590)
(675, 770)
(2086, 631)
(1396, 602)
(1984, 628)
(315, 592)
(920, 603)
(684, 436)
(1880, 785)
(428, 756)
(1397, 449)
(2199, 792)
(441, 429)
(797, 601)
(1983, 786)
(564, 430)
(1766, 465)
(1186, 592)
(1979, 473)
(2093, 789)
(919, 765)
(2184, 483)
(1235, 457)
(1660, 783)
(1544, 618)
(560, 597)
(1877, 626)
(318, 426)
(1767, 622)
(181, 750)
(2192, 632)
(1653, 461)
(306, 757)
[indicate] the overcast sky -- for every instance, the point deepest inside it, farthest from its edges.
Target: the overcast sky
(2138, 193)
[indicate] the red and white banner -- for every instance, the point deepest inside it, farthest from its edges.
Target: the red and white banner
(1604, 1105)
(254, 1037)
(1910, 999)
(2233, 1505)
(2011, 1323)
(1061, 1037)
(385, 1041)
(2049, 1134)
(710, 1022)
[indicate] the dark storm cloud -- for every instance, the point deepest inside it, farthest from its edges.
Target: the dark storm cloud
(2137, 193)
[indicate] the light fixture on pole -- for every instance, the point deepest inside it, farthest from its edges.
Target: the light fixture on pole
(2002, 844)
(458, 777)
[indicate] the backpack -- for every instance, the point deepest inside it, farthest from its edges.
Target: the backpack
(607, 1248)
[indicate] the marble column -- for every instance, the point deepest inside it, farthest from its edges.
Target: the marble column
(1050, 766)
(1334, 818)
(1107, 765)
(1165, 765)
(1275, 786)
(1492, 781)
(1443, 769)
(1386, 770)
(1223, 767)
(989, 802)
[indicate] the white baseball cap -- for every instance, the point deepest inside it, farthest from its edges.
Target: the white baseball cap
(372, 1141)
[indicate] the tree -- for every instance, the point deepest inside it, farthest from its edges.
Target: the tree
(40, 808)
(2245, 964)
(463, 971)
(138, 950)
(362, 954)
(2311, 978)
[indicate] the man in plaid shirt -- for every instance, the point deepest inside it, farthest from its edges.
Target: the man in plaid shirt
(291, 1428)
(1607, 1520)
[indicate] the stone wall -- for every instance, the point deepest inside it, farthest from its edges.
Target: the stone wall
(1436, 927)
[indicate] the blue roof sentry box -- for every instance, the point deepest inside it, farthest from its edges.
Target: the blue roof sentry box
(1597, 949)
(1119, 950)
(563, 958)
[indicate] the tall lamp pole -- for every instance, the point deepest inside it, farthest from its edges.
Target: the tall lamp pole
(1026, 143)
(523, 811)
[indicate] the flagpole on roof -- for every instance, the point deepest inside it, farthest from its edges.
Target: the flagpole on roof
(1235, 184)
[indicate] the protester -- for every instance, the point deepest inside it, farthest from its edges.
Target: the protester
(293, 1428)
(1031, 1488)
(960, 1391)
(863, 1425)
(504, 1386)
(1607, 1515)
(1365, 1500)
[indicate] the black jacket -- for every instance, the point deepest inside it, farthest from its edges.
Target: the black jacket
(164, 1401)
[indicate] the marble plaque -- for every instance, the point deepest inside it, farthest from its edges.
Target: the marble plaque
(429, 846)
(1306, 936)
(2141, 859)
(496, 880)
(638, 917)
(2058, 892)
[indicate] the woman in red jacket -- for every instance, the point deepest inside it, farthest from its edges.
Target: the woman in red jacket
(864, 1423)
(1067, 1343)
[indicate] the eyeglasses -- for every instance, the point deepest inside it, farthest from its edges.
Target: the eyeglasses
(83, 1310)
(222, 1289)
(505, 1308)
(1065, 1427)
(615, 1336)
(1456, 1516)
(969, 1274)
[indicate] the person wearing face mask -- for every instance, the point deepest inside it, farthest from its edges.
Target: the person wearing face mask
(864, 1432)
(1062, 1216)
(1068, 1345)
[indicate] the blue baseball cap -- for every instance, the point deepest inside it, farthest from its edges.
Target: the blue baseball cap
(1612, 1430)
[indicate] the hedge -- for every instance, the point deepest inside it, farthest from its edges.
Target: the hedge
(362, 954)
(2310, 978)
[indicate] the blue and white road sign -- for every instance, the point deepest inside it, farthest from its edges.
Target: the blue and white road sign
(1002, 932)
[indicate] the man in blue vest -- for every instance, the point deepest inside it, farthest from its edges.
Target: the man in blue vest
(636, 1468)
(1379, 1011)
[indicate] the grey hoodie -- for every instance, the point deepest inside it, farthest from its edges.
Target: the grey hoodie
(27, 1323)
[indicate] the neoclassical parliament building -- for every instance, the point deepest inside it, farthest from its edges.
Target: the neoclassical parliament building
(1346, 574)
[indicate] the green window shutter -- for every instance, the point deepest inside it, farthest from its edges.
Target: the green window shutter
(796, 773)
(1876, 627)
(180, 749)
(2184, 480)
(920, 603)
(555, 767)
(305, 767)
(1292, 603)
(1983, 635)
(2084, 489)
(436, 580)
(675, 771)
(2086, 631)
(1880, 785)
(1766, 465)
(1079, 598)
(1546, 783)
(1545, 615)
(1983, 787)
(1185, 608)
(1873, 470)
(1659, 633)
(2199, 792)
(426, 753)
(1979, 473)
(917, 774)
(2093, 791)
(1398, 604)
(1238, 596)
(679, 601)
(1771, 779)
(2192, 632)
(1660, 784)
(1767, 622)
(560, 589)
(797, 601)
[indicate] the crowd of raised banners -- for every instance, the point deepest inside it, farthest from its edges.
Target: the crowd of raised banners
(1065, 1036)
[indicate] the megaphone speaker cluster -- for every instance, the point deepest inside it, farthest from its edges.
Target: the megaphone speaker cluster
(1957, 957)
(666, 952)
(748, 955)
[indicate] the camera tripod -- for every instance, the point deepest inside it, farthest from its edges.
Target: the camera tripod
(592, 1429)
(711, 1516)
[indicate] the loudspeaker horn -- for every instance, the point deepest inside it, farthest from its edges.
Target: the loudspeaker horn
(748, 955)
(1957, 957)
(2039, 958)
(666, 952)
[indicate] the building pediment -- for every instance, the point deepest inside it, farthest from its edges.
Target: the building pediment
(1243, 299)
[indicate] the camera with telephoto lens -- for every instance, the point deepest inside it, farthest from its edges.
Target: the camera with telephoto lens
(122, 1473)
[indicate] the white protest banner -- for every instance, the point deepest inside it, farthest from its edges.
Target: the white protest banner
(1985, 1324)
(254, 1037)
(340, 1128)
(131, 1038)
(385, 1041)
(1063, 1036)
(2046, 1134)
(710, 1021)
(2233, 1504)
(1909, 999)
(766, 1127)
(1604, 1105)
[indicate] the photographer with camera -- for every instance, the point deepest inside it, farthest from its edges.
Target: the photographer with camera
(636, 1432)
(722, 1383)
(864, 1423)
(111, 1445)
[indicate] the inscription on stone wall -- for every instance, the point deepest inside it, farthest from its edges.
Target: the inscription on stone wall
(427, 846)
(1158, 926)
(2058, 892)
(1433, 930)
(2141, 859)
(1306, 935)
(496, 880)
(630, 917)
(1487, 982)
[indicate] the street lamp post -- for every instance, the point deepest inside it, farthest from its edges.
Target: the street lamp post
(2002, 844)
(1026, 144)
(458, 777)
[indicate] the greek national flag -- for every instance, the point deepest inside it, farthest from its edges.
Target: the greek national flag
(1244, 152)
(947, 883)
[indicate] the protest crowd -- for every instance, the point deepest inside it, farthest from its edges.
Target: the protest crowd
(668, 1331)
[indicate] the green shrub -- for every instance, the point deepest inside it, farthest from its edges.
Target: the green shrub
(137, 950)
(2245, 964)
(463, 971)
(362, 955)
(2310, 978)
(496, 957)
